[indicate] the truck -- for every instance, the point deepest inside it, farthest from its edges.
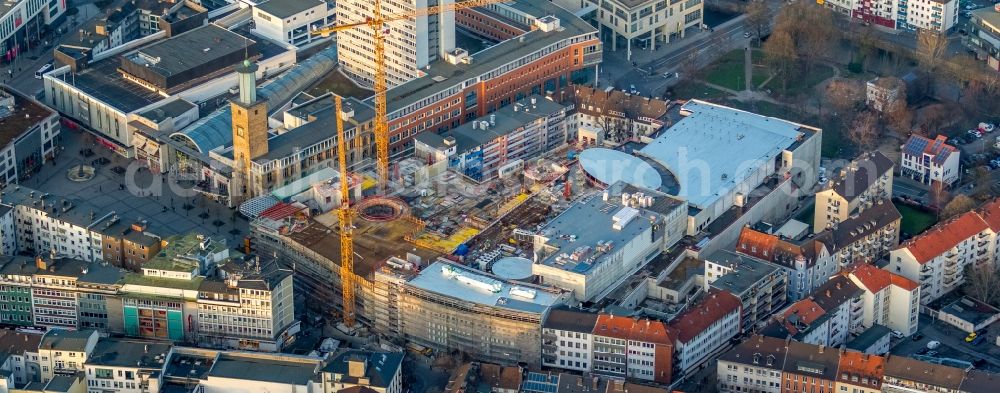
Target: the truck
(419, 349)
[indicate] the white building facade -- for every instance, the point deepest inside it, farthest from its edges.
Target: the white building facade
(930, 160)
(293, 21)
(410, 44)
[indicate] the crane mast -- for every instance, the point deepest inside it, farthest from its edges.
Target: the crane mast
(345, 218)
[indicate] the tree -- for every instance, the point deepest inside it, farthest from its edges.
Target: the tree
(961, 203)
(757, 17)
(931, 47)
(811, 29)
(864, 131)
(982, 283)
(845, 95)
(867, 42)
(933, 117)
(963, 70)
(983, 179)
(779, 50)
(898, 117)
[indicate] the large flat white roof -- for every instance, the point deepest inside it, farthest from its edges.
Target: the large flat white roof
(471, 285)
(713, 149)
(611, 166)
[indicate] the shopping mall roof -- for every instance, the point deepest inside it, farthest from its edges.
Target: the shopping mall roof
(714, 148)
(470, 285)
(611, 166)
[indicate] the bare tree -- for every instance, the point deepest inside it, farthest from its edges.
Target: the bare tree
(845, 95)
(931, 47)
(983, 180)
(939, 195)
(867, 42)
(932, 117)
(898, 117)
(757, 17)
(780, 52)
(982, 283)
(811, 29)
(961, 203)
(864, 131)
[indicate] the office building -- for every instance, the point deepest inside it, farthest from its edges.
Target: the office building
(123, 365)
(211, 371)
(641, 24)
(293, 21)
(375, 371)
(984, 36)
(930, 160)
(29, 136)
(21, 20)
(860, 184)
(500, 144)
(937, 259)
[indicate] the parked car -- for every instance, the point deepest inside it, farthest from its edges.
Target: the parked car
(933, 344)
(747, 34)
(987, 127)
(932, 353)
(897, 334)
(970, 337)
(917, 336)
(922, 351)
(979, 340)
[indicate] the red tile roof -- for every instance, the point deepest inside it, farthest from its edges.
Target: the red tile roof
(698, 317)
(876, 279)
(626, 328)
(281, 211)
(771, 248)
(807, 311)
(944, 236)
(861, 365)
(990, 213)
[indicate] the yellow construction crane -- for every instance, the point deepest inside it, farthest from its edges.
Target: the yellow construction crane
(378, 24)
(345, 218)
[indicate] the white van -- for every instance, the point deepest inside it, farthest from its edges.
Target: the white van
(41, 71)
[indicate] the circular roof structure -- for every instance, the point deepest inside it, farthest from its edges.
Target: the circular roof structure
(609, 166)
(513, 268)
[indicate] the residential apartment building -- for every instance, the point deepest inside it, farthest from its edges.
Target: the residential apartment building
(761, 286)
(930, 160)
(753, 365)
(937, 15)
(621, 116)
(807, 266)
(124, 365)
(830, 316)
(860, 184)
(937, 258)
(567, 340)
(64, 352)
(372, 371)
(890, 299)
(498, 144)
(48, 224)
(21, 364)
(864, 237)
(30, 136)
(411, 44)
(705, 327)
(642, 24)
(811, 368)
(8, 235)
(294, 21)
(859, 373)
(904, 375)
(633, 348)
(984, 36)
(770, 365)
